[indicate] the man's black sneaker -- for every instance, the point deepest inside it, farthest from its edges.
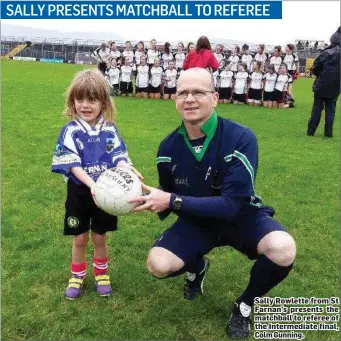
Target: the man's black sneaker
(239, 325)
(194, 282)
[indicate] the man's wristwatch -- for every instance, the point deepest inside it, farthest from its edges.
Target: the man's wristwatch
(177, 203)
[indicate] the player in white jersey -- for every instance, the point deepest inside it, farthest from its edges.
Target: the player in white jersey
(152, 53)
(276, 60)
(166, 56)
(218, 53)
(156, 73)
(240, 84)
(256, 85)
(126, 84)
(292, 61)
(261, 56)
(190, 47)
(114, 53)
(113, 74)
(128, 54)
(170, 77)
(247, 57)
(142, 78)
(102, 54)
(269, 81)
(140, 51)
(179, 57)
(281, 87)
(225, 84)
(234, 59)
(215, 76)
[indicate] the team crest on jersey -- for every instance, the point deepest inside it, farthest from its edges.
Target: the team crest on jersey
(197, 149)
(80, 143)
(110, 145)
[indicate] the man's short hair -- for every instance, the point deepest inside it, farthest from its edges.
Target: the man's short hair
(199, 69)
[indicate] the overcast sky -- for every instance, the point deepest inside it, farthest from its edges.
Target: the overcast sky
(301, 20)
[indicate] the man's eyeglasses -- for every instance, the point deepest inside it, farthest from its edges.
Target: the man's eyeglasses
(197, 94)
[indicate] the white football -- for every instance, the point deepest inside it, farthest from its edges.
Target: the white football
(114, 188)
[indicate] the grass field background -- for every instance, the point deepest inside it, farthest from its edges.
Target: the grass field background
(298, 175)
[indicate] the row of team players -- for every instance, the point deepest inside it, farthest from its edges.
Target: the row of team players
(257, 85)
(104, 55)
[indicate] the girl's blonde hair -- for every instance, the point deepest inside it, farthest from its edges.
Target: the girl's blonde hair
(91, 85)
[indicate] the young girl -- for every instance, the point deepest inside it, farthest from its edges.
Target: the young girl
(281, 87)
(247, 57)
(86, 147)
(126, 84)
(269, 81)
(240, 84)
(142, 78)
(234, 59)
(261, 56)
(114, 52)
(276, 60)
(170, 77)
(256, 84)
(218, 53)
(128, 53)
(102, 55)
(292, 62)
(152, 53)
(190, 47)
(155, 79)
(167, 56)
(139, 53)
(113, 74)
(179, 57)
(225, 84)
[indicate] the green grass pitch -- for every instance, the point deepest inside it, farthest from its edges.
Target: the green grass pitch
(298, 175)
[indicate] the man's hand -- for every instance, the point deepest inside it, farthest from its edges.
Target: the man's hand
(123, 164)
(156, 201)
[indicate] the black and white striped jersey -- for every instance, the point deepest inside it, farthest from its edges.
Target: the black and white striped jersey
(234, 60)
(165, 59)
(270, 81)
(225, 79)
(276, 62)
(179, 60)
(102, 56)
(283, 82)
(290, 60)
(256, 80)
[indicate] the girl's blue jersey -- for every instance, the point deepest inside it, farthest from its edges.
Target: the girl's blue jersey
(95, 149)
